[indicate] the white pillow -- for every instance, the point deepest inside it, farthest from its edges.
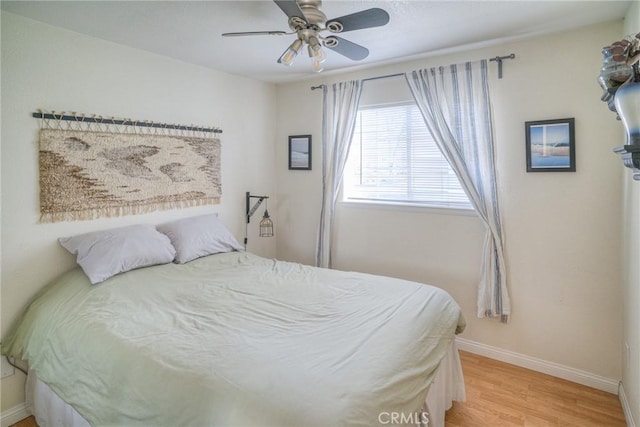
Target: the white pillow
(198, 236)
(103, 254)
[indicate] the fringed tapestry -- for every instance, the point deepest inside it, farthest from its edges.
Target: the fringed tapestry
(102, 171)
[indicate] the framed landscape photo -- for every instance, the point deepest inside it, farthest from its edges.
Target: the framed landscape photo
(300, 152)
(551, 145)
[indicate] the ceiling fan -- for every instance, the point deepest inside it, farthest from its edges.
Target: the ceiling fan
(307, 21)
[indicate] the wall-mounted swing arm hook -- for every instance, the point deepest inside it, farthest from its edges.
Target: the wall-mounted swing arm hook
(252, 209)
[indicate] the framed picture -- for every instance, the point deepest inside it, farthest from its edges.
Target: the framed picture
(551, 145)
(300, 152)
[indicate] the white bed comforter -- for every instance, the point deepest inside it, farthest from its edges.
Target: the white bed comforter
(235, 339)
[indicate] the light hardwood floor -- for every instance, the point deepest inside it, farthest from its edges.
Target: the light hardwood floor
(499, 394)
(27, 422)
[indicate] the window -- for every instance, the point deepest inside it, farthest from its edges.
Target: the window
(394, 159)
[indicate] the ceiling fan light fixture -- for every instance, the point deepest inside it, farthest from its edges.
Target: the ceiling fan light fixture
(313, 42)
(316, 53)
(290, 54)
(317, 65)
(307, 21)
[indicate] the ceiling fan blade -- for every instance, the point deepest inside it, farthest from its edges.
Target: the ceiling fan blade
(255, 33)
(369, 18)
(290, 8)
(349, 49)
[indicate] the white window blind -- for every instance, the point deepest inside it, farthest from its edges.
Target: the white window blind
(394, 159)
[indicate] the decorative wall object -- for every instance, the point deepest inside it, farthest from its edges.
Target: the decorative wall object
(300, 152)
(550, 146)
(620, 80)
(97, 168)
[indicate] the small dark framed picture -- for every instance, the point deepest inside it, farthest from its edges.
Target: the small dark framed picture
(300, 152)
(551, 145)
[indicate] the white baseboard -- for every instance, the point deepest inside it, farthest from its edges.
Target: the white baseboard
(628, 415)
(13, 415)
(554, 369)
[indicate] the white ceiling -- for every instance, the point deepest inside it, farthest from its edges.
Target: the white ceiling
(191, 30)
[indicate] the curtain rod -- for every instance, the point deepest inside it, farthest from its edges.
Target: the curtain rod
(364, 80)
(124, 122)
(498, 59)
(388, 76)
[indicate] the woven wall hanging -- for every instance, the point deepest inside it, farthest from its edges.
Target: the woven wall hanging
(108, 167)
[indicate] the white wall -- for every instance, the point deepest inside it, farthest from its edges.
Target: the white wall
(54, 69)
(563, 230)
(631, 290)
(566, 302)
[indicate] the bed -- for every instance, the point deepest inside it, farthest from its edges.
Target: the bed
(234, 339)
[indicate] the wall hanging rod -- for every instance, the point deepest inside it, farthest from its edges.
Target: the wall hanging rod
(123, 122)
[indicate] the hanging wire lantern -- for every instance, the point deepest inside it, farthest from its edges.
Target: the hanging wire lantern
(266, 225)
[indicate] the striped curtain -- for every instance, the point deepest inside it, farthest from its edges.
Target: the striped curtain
(339, 112)
(454, 102)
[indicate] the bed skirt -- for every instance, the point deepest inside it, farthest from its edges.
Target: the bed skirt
(447, 387)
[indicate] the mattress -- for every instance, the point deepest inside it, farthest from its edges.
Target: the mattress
(236, 339)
